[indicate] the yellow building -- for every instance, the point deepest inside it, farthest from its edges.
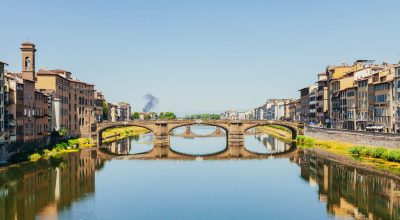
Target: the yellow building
(76, 109)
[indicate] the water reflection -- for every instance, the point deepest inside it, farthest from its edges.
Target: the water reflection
(201, 140)
(351, 192)
(133, 145)
(46, 187)
(265, 144)
(193, 145)
(65, 188)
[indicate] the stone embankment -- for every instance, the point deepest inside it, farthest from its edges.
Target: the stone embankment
(372, 139)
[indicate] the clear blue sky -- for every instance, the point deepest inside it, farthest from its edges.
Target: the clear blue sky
(203, 55)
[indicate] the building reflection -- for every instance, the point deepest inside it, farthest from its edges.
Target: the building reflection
(122, 146)
(41, 189)
(351, 192)
(272, 144)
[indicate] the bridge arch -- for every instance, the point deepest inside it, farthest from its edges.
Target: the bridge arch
(226, 129)
(293, 129)
(101, 130)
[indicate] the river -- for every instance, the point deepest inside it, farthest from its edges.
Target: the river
(297, 185)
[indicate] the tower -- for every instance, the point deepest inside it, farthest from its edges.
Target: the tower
(28, 61)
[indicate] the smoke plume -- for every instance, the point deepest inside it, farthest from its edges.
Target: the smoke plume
(152, 101)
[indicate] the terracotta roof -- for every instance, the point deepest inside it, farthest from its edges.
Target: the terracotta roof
(60, 71)
(46, 72)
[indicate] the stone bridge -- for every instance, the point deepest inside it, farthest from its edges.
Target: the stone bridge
(189, 134)
(234, 129)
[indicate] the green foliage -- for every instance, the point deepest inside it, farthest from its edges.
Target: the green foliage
(381, 153)
(392, 155)
(303, 140)
(135, 115)
(356, 150)
(147, 117)
(378, 152)
(204, 116)
(62, 132)
(106, 110)
(35, 157)
(167, 115)
(61, 148)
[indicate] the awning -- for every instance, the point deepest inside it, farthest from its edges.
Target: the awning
(375, 127)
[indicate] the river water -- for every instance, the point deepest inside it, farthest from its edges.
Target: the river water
(301, 185)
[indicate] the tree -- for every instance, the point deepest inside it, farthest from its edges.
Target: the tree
(135, 115)
(62, 132)
(147, 116)
(167, 115)
(106, 110)
(170, 115)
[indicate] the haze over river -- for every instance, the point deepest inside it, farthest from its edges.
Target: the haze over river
(302, 185)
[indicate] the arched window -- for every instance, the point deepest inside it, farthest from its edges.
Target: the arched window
(27, 63)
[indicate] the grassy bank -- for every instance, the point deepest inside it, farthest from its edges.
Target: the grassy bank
(115, 134)
(278, 132)
(378, 157)
(74, 145)
(71, 145)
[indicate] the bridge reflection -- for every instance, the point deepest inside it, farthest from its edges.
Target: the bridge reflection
(230, 152)
(188, 133)
(254, 146)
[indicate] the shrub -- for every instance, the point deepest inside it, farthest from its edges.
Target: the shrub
(300, 139)
(366, 151)
(34, 157)
(356, 150)
(378, 152)
(393, 155)
(74, 142)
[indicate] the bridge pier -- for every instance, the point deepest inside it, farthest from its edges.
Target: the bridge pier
(235, 138)
(218, 131)
(187, 131)
(161, 135)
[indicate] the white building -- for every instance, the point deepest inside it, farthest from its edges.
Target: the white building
(273, 109)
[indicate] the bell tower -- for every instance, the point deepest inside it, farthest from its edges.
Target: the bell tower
(28, 61)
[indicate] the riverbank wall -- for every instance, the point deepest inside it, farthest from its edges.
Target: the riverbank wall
(371, 139)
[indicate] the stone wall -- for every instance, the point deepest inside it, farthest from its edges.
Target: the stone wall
(356, 137)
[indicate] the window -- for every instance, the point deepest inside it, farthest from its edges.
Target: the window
(363, 83)
(27, 63)
(378, 112)
(381, 98)
(350, 93)
(398, 72)
(380, 87)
